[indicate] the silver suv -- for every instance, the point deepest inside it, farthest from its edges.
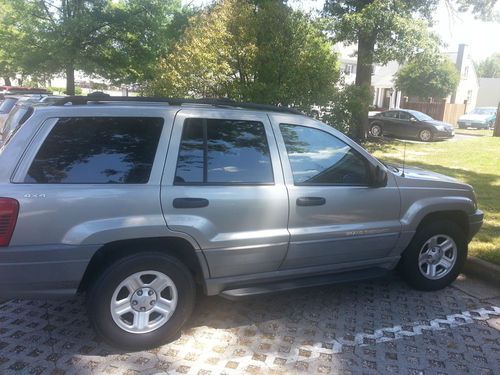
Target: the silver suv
(138, 202)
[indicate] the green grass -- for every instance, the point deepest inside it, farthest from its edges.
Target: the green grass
(474, 160)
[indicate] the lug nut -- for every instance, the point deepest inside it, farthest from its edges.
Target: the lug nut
(134, 302)
(150, 293)
(152, 303)
(143, 309)
(139, 292)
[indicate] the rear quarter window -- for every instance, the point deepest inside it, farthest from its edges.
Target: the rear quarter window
(97, 150)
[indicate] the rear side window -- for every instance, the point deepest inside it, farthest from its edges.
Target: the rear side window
(97, 150)
(216, 151)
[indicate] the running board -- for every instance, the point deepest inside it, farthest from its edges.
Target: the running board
(304, 282)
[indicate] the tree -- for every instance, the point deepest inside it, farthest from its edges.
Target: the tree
(489, 67)
(263, 52)
(386, 30)
(112, 38)
(428, 77)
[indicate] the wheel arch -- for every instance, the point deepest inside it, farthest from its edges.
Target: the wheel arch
(178, 247)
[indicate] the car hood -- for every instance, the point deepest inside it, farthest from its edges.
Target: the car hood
(418, 177)
(475, 117)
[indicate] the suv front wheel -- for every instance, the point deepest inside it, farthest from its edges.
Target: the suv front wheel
(435, 256)
(141, 301)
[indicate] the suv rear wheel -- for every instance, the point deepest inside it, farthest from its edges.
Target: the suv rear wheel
(435, 256)
(141, 301)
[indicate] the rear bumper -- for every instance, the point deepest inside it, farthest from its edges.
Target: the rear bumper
(475, 223)
(43, 270)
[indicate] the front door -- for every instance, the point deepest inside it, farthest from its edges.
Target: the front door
(223, 185)
(336, 215)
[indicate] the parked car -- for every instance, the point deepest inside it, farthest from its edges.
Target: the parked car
(136, 201)
(9, 103)
(409, 124)
(479, 118)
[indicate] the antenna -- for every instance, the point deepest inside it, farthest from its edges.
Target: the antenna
(404, 159)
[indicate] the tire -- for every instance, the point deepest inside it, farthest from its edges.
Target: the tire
(173, 291)
(376, 130)
(425, 135)
(412, 265)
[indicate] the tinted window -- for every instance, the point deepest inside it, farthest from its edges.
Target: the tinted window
(317, 157)
(97, 150)
(404, 116)
(16, 118)
(390, 114)
(223, 151)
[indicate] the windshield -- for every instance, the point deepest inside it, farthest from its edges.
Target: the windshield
(483, 111)
(16, 118)
(7, 105)
(421, 116)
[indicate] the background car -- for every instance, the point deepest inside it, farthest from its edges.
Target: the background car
(479, 118)
(409, 123)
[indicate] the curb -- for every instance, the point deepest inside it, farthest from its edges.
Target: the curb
(483, 270)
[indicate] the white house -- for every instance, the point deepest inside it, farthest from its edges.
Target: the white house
(489, 92)
(468, 86)
(385, 94)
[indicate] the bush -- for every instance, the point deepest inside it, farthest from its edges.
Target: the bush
(348, 105)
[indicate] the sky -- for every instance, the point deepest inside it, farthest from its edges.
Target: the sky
(482, 37)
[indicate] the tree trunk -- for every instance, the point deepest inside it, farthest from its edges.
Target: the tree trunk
(496, 131)
(70, 79)
(364, 68)
(7, 81)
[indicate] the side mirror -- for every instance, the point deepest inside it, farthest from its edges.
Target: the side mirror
(413, 119)
(379, 177)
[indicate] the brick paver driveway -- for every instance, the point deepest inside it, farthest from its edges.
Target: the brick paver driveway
(378, 327)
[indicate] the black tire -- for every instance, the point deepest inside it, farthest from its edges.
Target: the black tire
(378, 133)
(409, 264)
(101, 292)
(421, 135)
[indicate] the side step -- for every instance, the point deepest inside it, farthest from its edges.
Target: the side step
(304, 282)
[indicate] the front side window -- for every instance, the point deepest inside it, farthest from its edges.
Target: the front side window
(216, 151)
(97, 150)
(404, 116)
(317, 157)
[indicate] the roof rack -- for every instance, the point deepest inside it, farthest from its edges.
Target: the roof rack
(82, 100)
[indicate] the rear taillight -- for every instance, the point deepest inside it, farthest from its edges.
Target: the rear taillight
(9, 208)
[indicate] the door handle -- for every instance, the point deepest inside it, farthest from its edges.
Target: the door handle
(190, 202)
(311, 201)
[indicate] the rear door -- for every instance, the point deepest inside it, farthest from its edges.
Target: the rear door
(223, 185)
(390, 119)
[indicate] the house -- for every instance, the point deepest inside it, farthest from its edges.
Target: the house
(385, 94)
(489, 92)
(468, 85)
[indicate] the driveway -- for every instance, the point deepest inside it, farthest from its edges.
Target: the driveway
(378, 327)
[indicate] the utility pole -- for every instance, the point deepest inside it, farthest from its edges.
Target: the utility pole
(496, 131)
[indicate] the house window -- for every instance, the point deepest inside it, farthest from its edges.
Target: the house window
(466, 72)
(349, 69)
(469, 96)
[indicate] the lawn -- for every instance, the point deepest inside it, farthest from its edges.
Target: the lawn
(474, 160)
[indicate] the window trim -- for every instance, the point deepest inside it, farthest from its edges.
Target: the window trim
(366, 162)
(40, 136)
(205, 181)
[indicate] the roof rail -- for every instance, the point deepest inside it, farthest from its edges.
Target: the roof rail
(92, 98)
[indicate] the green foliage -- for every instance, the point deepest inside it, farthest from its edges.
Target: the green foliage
(490, 67)
(264, 53)
(347, 103)
(435, 77)
(118, 39)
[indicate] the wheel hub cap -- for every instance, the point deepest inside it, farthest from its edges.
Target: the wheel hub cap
(437, 257)
(143, 299)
